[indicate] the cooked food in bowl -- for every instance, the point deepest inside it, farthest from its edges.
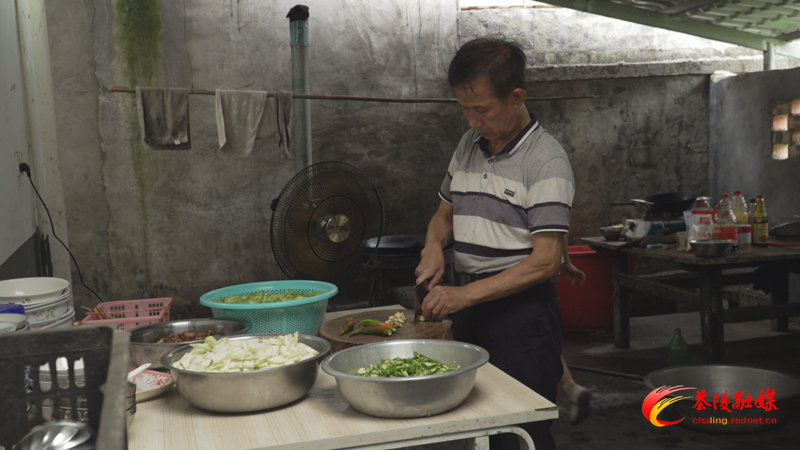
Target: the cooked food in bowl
(146, 348)
(187, 336)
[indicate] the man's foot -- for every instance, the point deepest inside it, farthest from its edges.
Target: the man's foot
(579, 399)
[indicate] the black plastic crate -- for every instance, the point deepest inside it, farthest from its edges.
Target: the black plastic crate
(106, 356)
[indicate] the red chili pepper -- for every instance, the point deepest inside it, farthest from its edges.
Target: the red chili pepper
(349, 325)
(379, 331)
(378, 325)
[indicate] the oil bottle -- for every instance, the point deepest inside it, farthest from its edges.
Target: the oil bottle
(760, 224)
(677, 350)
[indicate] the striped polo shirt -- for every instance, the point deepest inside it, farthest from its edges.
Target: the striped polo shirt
(500, 201)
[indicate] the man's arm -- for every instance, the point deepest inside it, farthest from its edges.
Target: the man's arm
(572, 273)
(440, 233)
(542, 264)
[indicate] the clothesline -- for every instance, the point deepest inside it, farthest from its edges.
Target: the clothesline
(366, 99)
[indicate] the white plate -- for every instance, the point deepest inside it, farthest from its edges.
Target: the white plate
(152, 383)
(46, 312)
(32, 290)
(58, 322)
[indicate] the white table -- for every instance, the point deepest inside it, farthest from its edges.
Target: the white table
(324, 420)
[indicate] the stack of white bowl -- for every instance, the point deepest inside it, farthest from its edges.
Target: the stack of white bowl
(47, 301)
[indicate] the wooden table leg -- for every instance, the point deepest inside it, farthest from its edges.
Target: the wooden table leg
(711, 320)
(622, 327)
(779, 291)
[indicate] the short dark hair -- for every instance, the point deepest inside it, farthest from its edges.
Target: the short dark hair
(500, 60)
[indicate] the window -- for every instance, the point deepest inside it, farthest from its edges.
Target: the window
(786, 129)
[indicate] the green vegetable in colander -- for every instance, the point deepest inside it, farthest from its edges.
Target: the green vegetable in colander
(264, 297)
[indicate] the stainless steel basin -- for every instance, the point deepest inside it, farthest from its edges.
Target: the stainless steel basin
(719, 379)
(145, 350)
(406, 397)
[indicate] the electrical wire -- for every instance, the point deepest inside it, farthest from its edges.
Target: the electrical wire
(25, 168)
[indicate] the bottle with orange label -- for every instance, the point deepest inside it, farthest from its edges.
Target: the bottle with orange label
(760, 223)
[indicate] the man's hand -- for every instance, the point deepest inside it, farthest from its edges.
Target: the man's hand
(431, 266)
(440, 232)
(444, 300)
(573, 274)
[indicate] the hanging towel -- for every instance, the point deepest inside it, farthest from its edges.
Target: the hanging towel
(283, 110)
(242, 116)
(164, 117)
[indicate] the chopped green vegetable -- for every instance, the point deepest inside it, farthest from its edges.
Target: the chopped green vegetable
(417, 366)
(263, 297)
(242, 355)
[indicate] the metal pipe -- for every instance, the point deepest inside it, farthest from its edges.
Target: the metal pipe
(301, 108)
(368, 99)
(769, 57)
(606, 372)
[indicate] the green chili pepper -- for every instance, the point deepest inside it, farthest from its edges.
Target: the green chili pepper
(419, 365)
(369, 321)
(349, 325)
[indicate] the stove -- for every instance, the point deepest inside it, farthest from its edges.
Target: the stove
(639, 228)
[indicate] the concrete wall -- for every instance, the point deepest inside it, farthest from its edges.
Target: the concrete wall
(147, 223)
(640, 136)
(740, 147)
(17, 204)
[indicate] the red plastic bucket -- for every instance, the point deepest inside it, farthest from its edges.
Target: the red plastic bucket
(588, 307)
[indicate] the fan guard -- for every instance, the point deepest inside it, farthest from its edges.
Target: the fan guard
(322, 221)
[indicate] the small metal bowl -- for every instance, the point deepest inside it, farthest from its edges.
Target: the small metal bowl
(412, 396)
(257, 390)
(611, 233)
(145, 350)
(712, 248)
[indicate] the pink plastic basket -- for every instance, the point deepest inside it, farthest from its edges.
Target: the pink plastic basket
(127, 314)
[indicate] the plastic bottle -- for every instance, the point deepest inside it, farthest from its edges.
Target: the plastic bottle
(739, 207)
(677, 350)
(724, 220)
(744, 233)
(760, 223)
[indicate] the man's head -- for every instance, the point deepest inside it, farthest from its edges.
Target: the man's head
(488, 76)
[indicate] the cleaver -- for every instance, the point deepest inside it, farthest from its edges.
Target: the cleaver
(420, 291)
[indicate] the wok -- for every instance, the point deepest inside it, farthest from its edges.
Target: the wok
(671, 202)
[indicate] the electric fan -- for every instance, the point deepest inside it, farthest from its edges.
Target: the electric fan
(322, 223)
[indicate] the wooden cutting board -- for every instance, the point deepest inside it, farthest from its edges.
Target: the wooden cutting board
(424, 330)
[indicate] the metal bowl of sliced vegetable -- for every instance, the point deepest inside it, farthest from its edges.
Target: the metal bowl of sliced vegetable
(406, 378)
(150, 342)
(246, 373)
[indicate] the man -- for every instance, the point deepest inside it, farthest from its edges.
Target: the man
(505, 203)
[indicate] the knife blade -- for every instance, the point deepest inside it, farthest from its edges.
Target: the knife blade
(420, 291)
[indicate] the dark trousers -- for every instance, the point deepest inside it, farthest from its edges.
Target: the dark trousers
(522, 334)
